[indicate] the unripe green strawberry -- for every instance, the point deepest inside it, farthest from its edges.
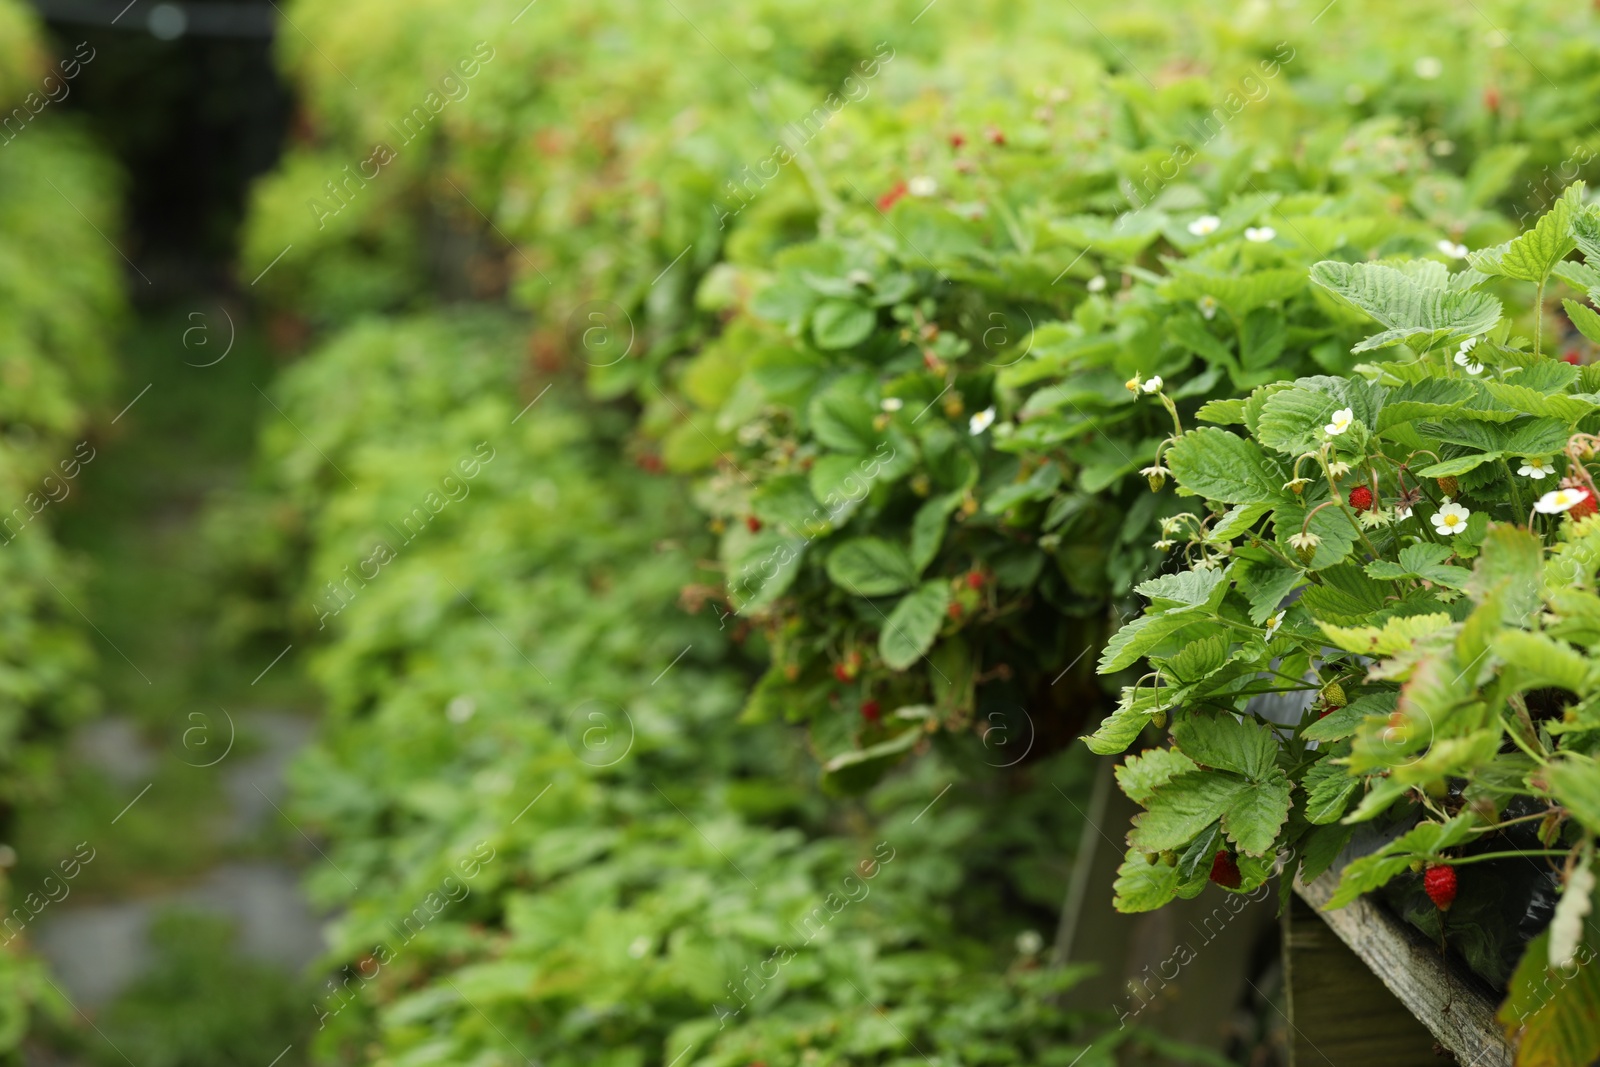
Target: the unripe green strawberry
(1333, 695)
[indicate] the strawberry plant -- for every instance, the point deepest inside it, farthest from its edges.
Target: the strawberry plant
(1419, 668)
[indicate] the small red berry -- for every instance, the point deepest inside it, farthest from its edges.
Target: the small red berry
(1491, 98)
(974, 579)
(841, 672)
(753, 523)
(955, 610)
(1440, 883)
(1583, 508)
(957, 139)
(994, 135)
(1225, 870)
(869, 710)
(651, 463)
(892, 197)
(1572, 357)
(1361, 498)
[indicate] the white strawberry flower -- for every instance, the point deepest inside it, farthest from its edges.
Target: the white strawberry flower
(1341, 422)
(1305, 540)
(1260, 234)
(1451, 249)
(1428, 68)
(1451, 518)
(1153, 385)
(1097, 284)
(1463, 359)
(1402, 511)
(1536, 467)
(892, 403)
(1554, 503)
(1205, 225)
(981, 421)
(922, 185)
(1208, 306)
(1273, 625)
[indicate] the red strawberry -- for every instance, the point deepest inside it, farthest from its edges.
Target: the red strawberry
(1572, 357)
(957, 139)
(869, 710)
(1225, 870)
(1361, 498)
(994, 135)
(892, 197)
(1583, 508)
(843, 673)
(753, 523)
(955, 610)
(974, 579)
(1440, 883)
(1491, 98)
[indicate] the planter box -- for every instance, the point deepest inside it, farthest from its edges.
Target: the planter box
(1338, 1010)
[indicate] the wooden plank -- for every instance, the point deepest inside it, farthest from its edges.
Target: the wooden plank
(1340, 1013)
(1455, 1006)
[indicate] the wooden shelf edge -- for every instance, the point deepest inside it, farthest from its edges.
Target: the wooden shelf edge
(1459, 1015)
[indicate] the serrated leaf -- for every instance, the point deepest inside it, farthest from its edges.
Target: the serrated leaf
(1182, 587)
(1136, 638)
(1185, 806)
(1228, 412)
(1140, 775)
(1342, 722)
(1228, 744)
(1236, 521)
(1328, 787)
(1255, 816)
(1142, 885)
(1546, 661)
(1405, 304)
(911, 627)
(1395, 636)
(1532, 256)
(1575, 782)
(1587, 322)
(1219, 465)
(1119, 729)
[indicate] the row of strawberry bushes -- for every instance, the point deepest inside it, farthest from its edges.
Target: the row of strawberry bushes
(60, 302)
(907, 350)
(900, 250)
(545, 837)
